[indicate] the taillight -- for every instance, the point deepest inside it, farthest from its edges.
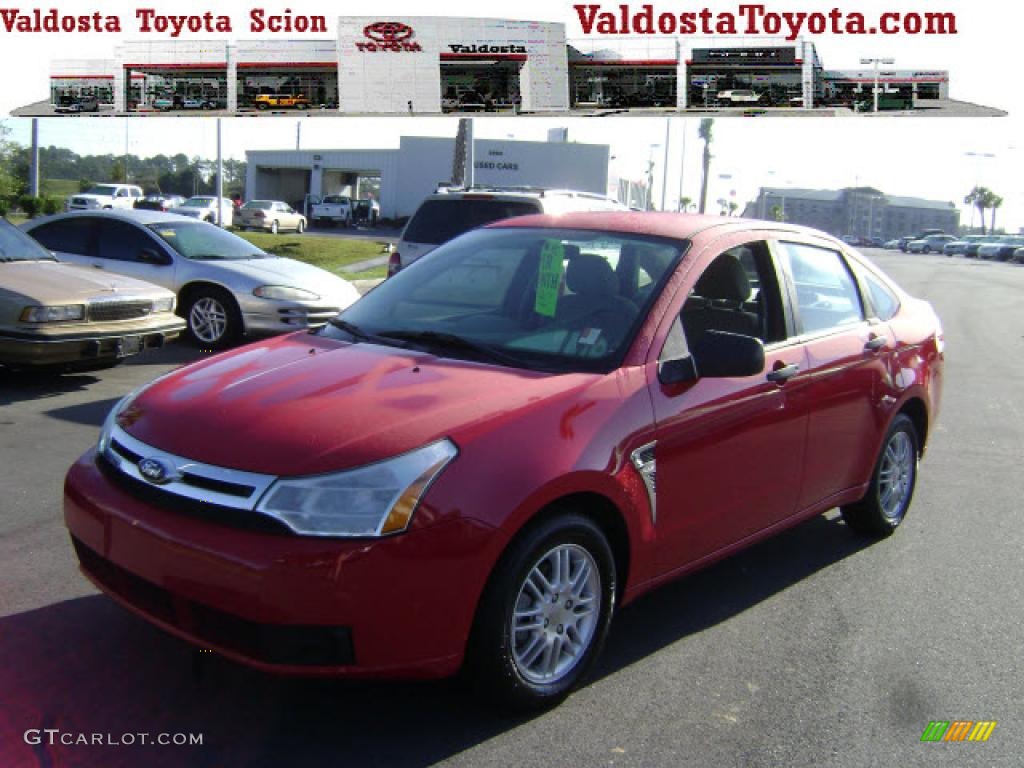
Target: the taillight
(259, 214)
(394, 264)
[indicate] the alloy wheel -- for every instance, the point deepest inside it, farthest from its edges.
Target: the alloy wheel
(556, 614)
(208, 320)
(896, 475)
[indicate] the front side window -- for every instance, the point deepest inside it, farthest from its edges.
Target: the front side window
(198, 202)
(737, 293)
(548, 299)
(826, 293)
(120, 241)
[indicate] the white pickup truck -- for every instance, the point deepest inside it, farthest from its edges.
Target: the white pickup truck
(332, 209)
(104, 196)
(739, 97)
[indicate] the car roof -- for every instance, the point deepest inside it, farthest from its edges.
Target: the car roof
(140, 216)
(680, 226)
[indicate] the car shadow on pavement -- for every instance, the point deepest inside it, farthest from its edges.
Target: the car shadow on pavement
(21, 386)
(88, 666)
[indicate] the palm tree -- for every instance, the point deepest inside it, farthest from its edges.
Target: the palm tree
(733, 207)
(723, 206)
(778, 214)
(994, 202)
(685, 203)
(705, 135)
(979, 197)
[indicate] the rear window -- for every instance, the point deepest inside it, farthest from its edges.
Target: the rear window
(263, 205)
(438, 221)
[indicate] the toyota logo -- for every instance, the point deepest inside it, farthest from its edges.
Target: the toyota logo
(388, 31)
(157, 471)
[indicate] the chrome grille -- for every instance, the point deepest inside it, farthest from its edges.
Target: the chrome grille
(188, 479)
(105, 311)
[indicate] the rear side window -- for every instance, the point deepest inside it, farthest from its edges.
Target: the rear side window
(67, 236)
(826, 293)
(438, 221)
(882, 298)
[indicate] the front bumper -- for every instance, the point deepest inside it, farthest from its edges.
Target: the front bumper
(58, 346)
(268, 316)
(394, 607)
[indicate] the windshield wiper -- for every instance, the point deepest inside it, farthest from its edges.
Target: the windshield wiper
(450, 341)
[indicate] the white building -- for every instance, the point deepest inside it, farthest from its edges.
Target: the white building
(408, 174)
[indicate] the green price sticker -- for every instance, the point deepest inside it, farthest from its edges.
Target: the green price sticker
(549, 280)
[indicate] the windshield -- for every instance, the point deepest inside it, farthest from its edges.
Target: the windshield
(545, 299)
(438, 221)
(15, 245)
(335, 200)
(198, 202)
(102, 190)
(203, 242)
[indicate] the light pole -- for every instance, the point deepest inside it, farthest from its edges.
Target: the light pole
(876, 62)
(650, 177)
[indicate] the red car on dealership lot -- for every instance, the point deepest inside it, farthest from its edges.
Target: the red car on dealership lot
(479, 461)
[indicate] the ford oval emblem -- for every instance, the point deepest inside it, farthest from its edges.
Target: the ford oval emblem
(157, 471)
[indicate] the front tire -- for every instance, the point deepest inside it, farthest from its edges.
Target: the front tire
(300, 227)
(885, 504)
(213, 318)
(544, 615)
(273, 227)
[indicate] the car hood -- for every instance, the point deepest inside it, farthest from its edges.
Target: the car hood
(84, 196)
(51, 282)
(304, 404)
(295, 274)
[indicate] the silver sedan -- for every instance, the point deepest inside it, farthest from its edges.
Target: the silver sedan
(226, 286)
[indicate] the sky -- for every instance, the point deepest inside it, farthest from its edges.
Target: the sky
(785, 152)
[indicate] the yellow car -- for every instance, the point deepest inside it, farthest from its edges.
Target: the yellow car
(279, 101)
(68, 317)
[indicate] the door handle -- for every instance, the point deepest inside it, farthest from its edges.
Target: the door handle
(783, 374)
(876, 343)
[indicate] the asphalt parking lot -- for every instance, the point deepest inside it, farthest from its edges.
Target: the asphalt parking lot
(815, 648)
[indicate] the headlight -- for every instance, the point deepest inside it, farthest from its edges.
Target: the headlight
(374, 500)
(284, 293)
(108, 423)
(53, 314)
(164, 305)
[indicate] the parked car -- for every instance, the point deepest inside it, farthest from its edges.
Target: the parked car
(272, 215)
(450, 212)
(1001, 249)
(1017, 257)
(79, 105)
(197, 103)
(104, 196)
(365, 211)
(905, 241)
(739, 96)
(331, 210)
(205, 207)
(957, 247)
(929, 244)
(542, 421)
(280, 101)
(226, 286)
(892, 245)
(163, 104)
(159, 202)
(66, 316)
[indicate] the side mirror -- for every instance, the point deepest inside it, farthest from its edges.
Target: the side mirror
(677, 370)
(719, 355)
(153, 256)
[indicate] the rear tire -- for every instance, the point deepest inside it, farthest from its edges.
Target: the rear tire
(300, 227)
(273, 227)
(544, 615)
(885, 504)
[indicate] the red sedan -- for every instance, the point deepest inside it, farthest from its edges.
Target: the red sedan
(461, 468)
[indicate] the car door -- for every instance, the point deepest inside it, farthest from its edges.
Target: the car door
(72, 239)
(129, 250)
(847, 368)
(729, 451)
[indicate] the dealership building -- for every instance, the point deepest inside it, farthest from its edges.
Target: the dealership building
(857, 212)
(387, 65)
(406, 175)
